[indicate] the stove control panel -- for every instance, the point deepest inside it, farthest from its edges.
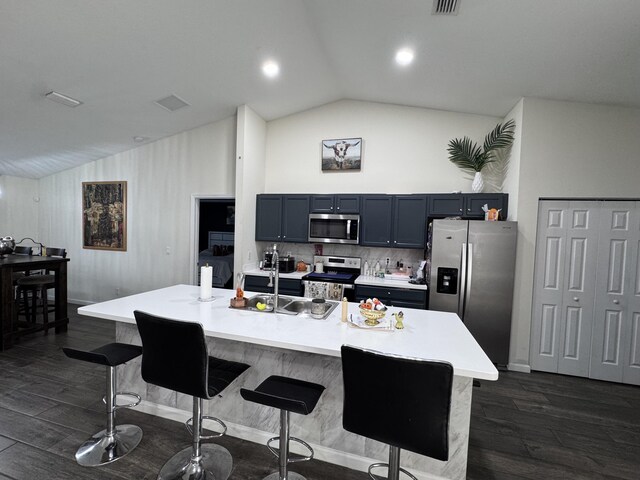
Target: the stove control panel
(352, 263)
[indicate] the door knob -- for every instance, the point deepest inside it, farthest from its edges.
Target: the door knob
(616, 301)
(576, 299)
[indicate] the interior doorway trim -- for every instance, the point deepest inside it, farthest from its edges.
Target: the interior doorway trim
(194, 231)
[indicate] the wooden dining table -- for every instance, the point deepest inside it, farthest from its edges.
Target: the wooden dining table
(8, 315)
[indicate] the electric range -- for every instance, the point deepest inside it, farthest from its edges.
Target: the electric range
(337, 280)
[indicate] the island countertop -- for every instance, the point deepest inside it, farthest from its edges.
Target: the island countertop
(427, 334)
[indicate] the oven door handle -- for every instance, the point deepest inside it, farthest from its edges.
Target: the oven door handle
(348, 286)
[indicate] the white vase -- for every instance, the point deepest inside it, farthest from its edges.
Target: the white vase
(478, 183)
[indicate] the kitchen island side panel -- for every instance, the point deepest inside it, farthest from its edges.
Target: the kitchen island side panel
(323, 427)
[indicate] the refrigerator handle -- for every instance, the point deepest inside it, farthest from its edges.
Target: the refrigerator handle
(463, 281)
(467, 290)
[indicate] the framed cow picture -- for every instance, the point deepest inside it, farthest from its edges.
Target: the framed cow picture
(341, 154)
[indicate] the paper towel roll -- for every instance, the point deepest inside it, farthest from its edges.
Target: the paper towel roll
(206, 278)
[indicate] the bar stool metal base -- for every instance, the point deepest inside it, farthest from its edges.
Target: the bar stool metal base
(102, 448)
(214, 463)
(290, 476)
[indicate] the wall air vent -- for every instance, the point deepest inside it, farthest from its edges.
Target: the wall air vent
(445, 7)
(172, 103)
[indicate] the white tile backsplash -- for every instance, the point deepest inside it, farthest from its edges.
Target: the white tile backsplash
(371, 255)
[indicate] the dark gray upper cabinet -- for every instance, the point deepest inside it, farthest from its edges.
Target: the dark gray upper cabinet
(282, 218)
(269, 218)
(409, 221)
(335, 204)
(295, 218)
(347, 203)
(474, 202)
(446, 204)
(376, 215)
(467, 205)
(393, 221)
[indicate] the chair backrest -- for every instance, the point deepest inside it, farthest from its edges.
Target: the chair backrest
(398, 401)
(20, 250)
(56, 252)
(174, 354)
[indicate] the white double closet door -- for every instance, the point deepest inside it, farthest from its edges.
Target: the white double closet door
(586, 305)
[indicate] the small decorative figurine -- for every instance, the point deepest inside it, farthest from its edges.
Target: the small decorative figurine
(399, 319)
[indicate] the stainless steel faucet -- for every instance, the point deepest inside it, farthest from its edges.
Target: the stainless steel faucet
(274, 273)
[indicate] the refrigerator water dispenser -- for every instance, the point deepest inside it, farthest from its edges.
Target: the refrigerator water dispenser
(447, 281)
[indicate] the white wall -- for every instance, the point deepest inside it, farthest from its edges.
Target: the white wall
(161, 178)
(568, 150)
(19, 199)
(404, 149)
(250, 171)
(511, 184)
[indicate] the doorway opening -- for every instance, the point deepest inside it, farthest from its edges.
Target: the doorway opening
(213, 238)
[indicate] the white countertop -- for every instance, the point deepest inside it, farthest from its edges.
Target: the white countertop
(387, 282)
(361, 280)
(427, 334)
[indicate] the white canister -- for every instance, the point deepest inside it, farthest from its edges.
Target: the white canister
(319, 267)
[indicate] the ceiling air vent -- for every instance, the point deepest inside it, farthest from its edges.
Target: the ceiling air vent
(445, 7)
(172, 103)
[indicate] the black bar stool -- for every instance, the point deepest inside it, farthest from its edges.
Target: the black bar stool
(35, 286)
(415, 394)
(174, 356)
(115, 441)
(288, 395)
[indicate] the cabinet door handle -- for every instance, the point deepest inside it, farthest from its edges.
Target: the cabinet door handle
(468, 209)
(460, 209)
(387, 241)
(338, 208)
(284, 236)
(616, 301)
(576, 299)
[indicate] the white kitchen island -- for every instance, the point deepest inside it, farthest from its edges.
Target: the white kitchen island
(307, 349)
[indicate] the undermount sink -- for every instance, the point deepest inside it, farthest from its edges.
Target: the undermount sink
(290, 306)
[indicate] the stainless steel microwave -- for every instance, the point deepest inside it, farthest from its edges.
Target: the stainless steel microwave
(331, 228)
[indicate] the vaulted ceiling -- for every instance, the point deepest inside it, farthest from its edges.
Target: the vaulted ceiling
(119, 56)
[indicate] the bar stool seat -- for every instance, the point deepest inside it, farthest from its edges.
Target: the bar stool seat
(287, 395)
(416, 395)
(115, 441)
(175, 356)
(36, 286)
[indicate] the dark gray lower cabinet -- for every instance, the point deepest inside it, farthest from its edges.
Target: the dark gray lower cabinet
(393, 297)
(286, 286)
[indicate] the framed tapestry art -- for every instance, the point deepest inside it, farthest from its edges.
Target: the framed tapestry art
(342, 154)
(104, 215)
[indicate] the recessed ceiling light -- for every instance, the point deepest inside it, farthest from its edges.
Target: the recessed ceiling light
(270, 68)
(404, 56)
(139, 139)
(63, 99)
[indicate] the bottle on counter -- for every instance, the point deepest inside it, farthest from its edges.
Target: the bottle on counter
(377, 270)
(345, 309)
(366, 269)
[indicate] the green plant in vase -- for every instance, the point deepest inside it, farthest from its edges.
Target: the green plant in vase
(472, 158)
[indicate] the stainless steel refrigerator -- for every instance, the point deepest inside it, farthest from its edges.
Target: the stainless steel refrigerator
(472, 270)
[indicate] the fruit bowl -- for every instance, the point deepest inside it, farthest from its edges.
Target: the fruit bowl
(372, 317)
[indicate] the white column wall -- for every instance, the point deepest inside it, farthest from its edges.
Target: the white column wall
(250, 173)
(573, 150)
(161, 177)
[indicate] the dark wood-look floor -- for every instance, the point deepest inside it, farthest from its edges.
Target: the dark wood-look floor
(524, 426)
